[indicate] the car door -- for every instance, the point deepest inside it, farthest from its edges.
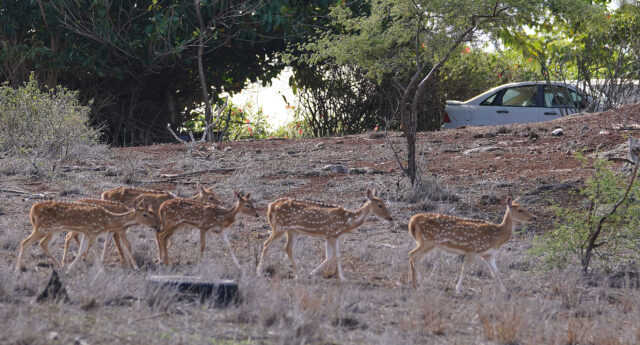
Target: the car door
(517, 104)
(559, 101)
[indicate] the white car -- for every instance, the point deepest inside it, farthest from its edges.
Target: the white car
(522, 102)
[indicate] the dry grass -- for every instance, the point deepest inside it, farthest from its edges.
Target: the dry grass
(375, 305)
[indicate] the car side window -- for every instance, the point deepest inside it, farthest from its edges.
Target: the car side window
(560, 97)
(521, 96)
(490, 100)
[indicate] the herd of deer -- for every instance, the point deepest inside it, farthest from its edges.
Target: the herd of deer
(122, 207)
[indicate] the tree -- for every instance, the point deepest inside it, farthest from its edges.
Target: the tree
(408, 41)
(138, 59)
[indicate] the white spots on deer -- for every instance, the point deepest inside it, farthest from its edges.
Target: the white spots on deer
(293, 217)
(175, 214)
(458, 235)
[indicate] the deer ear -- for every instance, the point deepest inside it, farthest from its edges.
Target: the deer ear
(139, 204)
(369, 194)
(509, 201)
(238, 196)
(246, 196)
(199, 187)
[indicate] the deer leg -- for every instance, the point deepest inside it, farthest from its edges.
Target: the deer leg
(225, 239)
(107, 244)
(166, 243)
(291, 239)
(437, 256)
(84, 246)
(31, 239)
(491, 262)
(336, 256)
(414, 257)
(203, 237)
(98, 259)
(329, 256)
(44, 244)
(468, 260)
(158, 240)
(128, 252)
(165, 235)
(117, 240)
(274, 236)
(67, 240)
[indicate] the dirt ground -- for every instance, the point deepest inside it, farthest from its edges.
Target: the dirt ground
(467, 172)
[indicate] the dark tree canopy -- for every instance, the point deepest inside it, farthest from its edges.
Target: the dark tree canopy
(138, 59)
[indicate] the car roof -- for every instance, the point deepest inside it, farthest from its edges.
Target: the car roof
(516, 84)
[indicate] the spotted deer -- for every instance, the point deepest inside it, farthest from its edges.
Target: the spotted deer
(126, 195)
(152, 199)
(294, 217)
(176, 214)
(111, 206)
(463, 236)
(52, 217)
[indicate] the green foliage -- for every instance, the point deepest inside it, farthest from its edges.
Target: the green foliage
(137, 59)
(339, 100)
(620, 236)
(475, 70)
(43, 124)
(238, 122)
(297, 128)
(248, 122)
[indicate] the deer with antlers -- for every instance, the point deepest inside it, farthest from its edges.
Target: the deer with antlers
(294, 217)
(176, 214)
(52, 217)
(463, 236)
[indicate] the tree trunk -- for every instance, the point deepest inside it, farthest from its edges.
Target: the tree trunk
(208, 116)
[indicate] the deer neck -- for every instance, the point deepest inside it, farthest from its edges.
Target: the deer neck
(358, 217)
(229, 214)
(507, 226)
(123, 219)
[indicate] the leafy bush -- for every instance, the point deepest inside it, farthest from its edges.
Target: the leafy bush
(40, 124)
(619, 235)
(475, 70)
(237, 122)
(296, 128)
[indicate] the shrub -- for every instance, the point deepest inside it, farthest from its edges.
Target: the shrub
(40, 124)
(616, 236)
(298, 127)
(237, 122)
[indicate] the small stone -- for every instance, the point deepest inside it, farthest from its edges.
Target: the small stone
(258, 151)
(227, 149)
(357, 171)
(339, 169)
(320, 145)
(79, 341)
(557, 132)
(53, 336)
